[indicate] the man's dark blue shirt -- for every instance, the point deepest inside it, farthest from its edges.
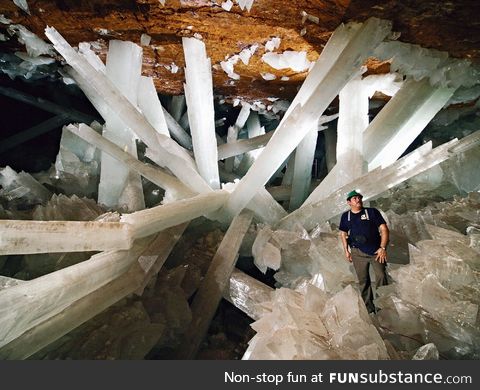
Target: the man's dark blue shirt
(362, 229)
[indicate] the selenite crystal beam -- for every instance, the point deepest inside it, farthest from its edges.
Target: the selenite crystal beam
(46, 105)
(184, 122)
(201, 114)
(379, 180)
(19, 236)
(288, 175)
(330, 147)
(177, 106)
(339, 40)
(123, 68)
(149, 104)
(232, 133)
(248, 294)
(210, 292)
(33, 132)
(241, 146)
(157, 218)
(177, 132)
(24, 306)
(85, 308)
(178, 160)
(263, 204)
(169, 153)
(284, 141)
(302, 171)
(254, 130)
(154, 174)
(266, 207)
(6, 282)
(280, 193)
(401, 120)
(352, 121)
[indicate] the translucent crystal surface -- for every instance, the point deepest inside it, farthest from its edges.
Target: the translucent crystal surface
(210, 292)
(323, 90)
(379, 180)
(398, 124)
(199, 96)
(22, 188)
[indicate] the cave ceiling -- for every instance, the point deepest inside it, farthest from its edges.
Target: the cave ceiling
(447, 26)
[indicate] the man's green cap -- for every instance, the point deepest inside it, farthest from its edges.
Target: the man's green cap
(353, 193)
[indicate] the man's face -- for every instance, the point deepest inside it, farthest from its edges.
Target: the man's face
(355, 201)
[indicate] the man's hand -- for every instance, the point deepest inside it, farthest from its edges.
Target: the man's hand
(343, 237)
(381, 255)
(348, 255)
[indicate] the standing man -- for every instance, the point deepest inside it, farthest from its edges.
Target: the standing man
(364, 230)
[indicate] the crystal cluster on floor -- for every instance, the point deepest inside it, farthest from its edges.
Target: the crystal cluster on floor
(315, 325)
(431, 308)
(141, 271)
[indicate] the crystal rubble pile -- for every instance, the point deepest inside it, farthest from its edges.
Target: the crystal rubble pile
(77, 167)
(85, 296)
(313, 325)
(321, 206)
(162, 311)
(21, 190)
(434, 299)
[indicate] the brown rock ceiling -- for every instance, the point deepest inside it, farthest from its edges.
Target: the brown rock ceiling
(450, 26)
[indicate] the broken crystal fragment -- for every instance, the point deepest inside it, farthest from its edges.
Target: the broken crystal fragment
(34, 45)
(21, 188)
(297, 61)
(227, 5)
(145, 39)
(426, 352)
(272, 44)
(23, 5)
(268, 76)
(265, 254)
(245, 4)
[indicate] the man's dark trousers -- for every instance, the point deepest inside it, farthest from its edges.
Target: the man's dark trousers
(361, 263)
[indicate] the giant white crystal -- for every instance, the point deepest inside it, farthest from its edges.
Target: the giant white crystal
(199, 96)
(321, 92)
